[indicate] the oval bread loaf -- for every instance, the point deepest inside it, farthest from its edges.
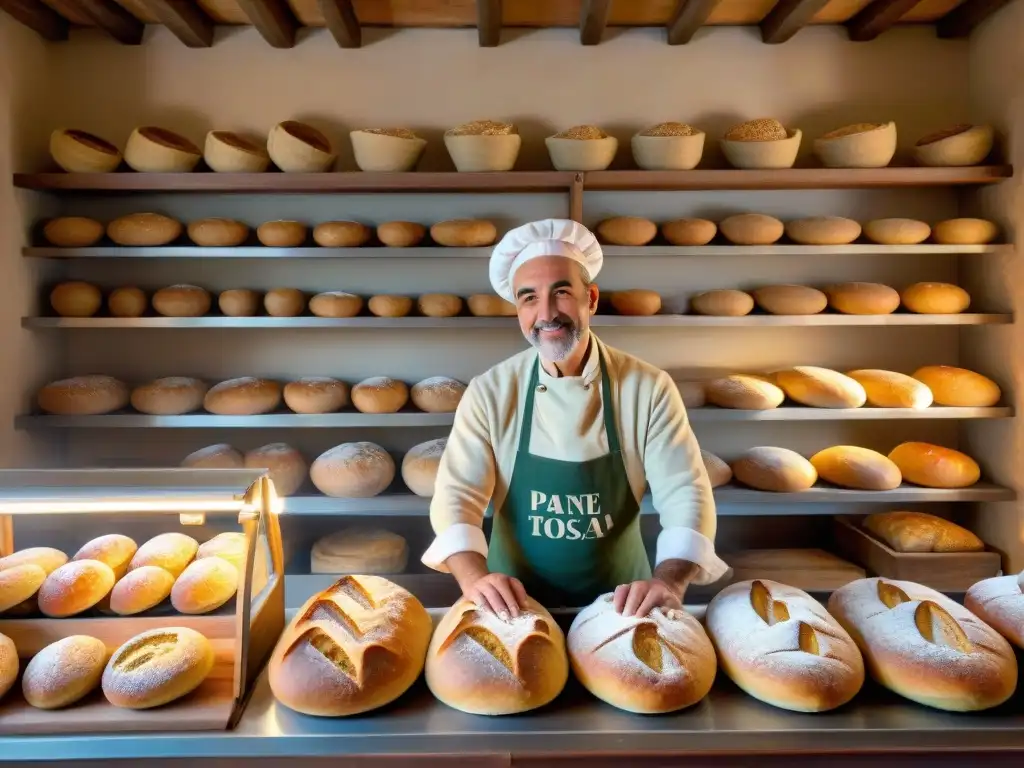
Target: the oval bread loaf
(823, 230)
(285, 465)
(284, 302)
(353, 470)
(820, 387)
(935, 298)
(401, 234)
(341, 234)
(438, 394)
(889, 389)
(157, 667)
(19, 583)
(244, 396)
(782, 647)
(316, 394)
(751, 229)
(359, 551)
(83, 396)
(64, 672)
(144, 229)
(114, 550)
(439, 305)
(73, 232)
(356, 646)
(76, 299)
(380, 394)
(218, 456)
(47, 558)
(75, 587)
(790, 299)
(9, 665)
(661, 663)
(419, 466)
(127, 301)
(925, 647)
(281, 234)
(182, 301)
(770, 468)
(850, 466)
(239, 302)
(921, 532)
(897, 231)
(230, 545)
(964, 231)
(689, 232)
(464, 233)
(489, 305)
(217, 233)
(719, 473)
(863, 298)
(636, 302)
(171, 551)
(389, 306)
(169, 396)
(204, 586)
(743, 391)
(140, 590)
(959, 387)
(724, 302)
(626, 230)
(998, 601)
(934, 466)
(336, 304)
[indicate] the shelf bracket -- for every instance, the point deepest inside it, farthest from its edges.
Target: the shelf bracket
(40, 18)
(273, 19)
(788, 17)
(877, 18)
(341, 20)
(690, 15)
(488, 22)
(185, 19)
(593, 20)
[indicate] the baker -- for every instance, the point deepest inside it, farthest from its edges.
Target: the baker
(560, 442)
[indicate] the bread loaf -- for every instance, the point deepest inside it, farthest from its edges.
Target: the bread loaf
(354, 550)
(284, 302)
(171, 551)
(782, 647)
(281, 234)
(169, 396)
(888, 389)
(341, 234)
(9, 665)
(140, 590)
(934, 466)
(689, 232)
(897, 231)
(959, 387)
(217, 233)
(239, 302)
(244, 396)
(157, 667)
(820, 387)
(998, 601)
(83, 396)
(751, 229)
(76, 299)
(439, 305)
(75, 587)
(401, 234)
(725, 302)
(19, 583)
(921, 532)
(823, 230)
(661, 663)
(419, 466)
(64, 672)
(925, 647)
(489, 305)
(286, 466)
(389, 306)
(790, 299)
(204, 586)
(626, 230)
(935, 298)
(438, 394)
(353, 470)
(380, 394)
(352, 648)
(850, 466)
(144, 230)
(863, 298)
(743, 391)
(47, 558)
(127, 301)
(316, 394)
(114, 550)
(230, 545)
(636, 302)
(336, 304)
(692, 393)
(73, 232)
(770, 468)
(464, 233)
(480, 663)
(219, 456)
(719, 473)
(964, 231)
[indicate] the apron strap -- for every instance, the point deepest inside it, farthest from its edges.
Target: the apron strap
(526, 424)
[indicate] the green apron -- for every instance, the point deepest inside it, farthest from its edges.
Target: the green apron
(570, 531)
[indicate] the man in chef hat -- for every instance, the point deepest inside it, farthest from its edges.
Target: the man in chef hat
(561, 442)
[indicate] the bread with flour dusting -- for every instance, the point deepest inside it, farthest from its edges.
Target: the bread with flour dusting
(922, 645)
(483, 664)
(662, 662)
(999, 602)
(354, 647)
(782, 647)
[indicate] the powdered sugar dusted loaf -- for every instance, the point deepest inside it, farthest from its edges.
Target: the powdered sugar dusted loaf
(999, 602)
(353, 470)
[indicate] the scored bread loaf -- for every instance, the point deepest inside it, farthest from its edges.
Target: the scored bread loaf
(483, 664)
(921, 532)
(660, 663)
(925, 647)
(354, 647)
(156, 667)
(353, 550)
(999, 602)
(782, 647)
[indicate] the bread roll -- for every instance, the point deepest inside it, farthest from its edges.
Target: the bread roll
(689, 232)
(169, 396)
(782, 647)
(336, 304)
(958, 387)
(316, 394)
(998, 601)
(863, 298)
(933, 466)
(341, 234)
(353, 470)
(75, 587)
(626, 230)
(897, 231)
(83, 396)
(636, 302)
(230, 545)
(140, 590)
(921, 532)
(217, 233)
(439, 305)
(239, 302)
(182, 301)
(204, 586)
(127, 301)
(171, 551)
(823, 230)
(157, 667)
(770, 468)
(352, 648)
(64, 672)
(888, 389)
(489, 305)
(389, 306)
(73, 232)
(114, 550)
(219, 456)
(401, 234)
(661, 663)
(284, 302)
(19, 583)
(790, 299)
(820, 387)
(380, 394)
(719, 473)
(964, 231)
(850, 466)
(9, 665)
(464, 233)
(286, 466)
(354, 550)
(419, 466)
(244, 396)
(743, 391)
(935, 298)
(480, 663)
(438, 394)
(47, 558)
(281, 234)
(144, 230)
(76, 299)
(724, 302)
(925, 647)
(751, 229)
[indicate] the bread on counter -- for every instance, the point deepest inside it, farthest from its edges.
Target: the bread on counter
(921, 532)
(999, 602)
(157, 667)
(355, 550)
(64, 672)
(782, 647)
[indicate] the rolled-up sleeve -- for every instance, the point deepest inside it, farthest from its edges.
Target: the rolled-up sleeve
(464, 485)
(680, 488)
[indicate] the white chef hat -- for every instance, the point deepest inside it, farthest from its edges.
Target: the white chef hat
(548, 237)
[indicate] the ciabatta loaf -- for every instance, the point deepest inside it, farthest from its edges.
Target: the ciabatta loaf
(353, 647)
(659, 663)
(999, 602)
(922, 645)
(486, 665)
(781, 646)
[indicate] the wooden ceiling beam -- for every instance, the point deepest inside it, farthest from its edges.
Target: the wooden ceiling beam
(488, 22)
(787, 18)
(593, 20)
(876, 18)
(273, 19)
(185, 19)
(41, 19)
(340, 17)
(966, 17)
(690, 15)
(111, 18)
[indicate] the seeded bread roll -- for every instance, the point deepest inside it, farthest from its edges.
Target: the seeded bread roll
(204, 586)
(9, 665)
(352, 550)
(998, 601)
(83, 396)
(140, 590)
(171, 551)
(353, 470)
(114, 549)
(316, 394)
(352, 648)
(75, 587)
(64, 672)
(19, 583)
(380, 394)
(921, 532)
(47, 558)
(244, 396)
(157, 667)
(420, 464)
(218, 456)
(287, 467)
(438, 394)
(169, 396)
(925, 647)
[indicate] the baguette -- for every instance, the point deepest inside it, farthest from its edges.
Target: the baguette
(999, 602)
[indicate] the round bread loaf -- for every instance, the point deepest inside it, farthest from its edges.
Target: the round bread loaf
(182, 301)
(83, 396)
(353, 470)
(719, 473)
(485, 665)
(820, 387)
(19, 583)
(144, 230)
(127, 301)
(244, 396)
(489, 305)
(782, 647)
(419, 466)
(751, 229)
(934, 466)
(217, 233)
(218, 456)
(935, 298)
(380, 394)
(341, 234)
(75, 587)
(661, 663)
(464, 233)
(888, 389)
(925, 647)
(64, 672)
(114, 550)
(770, 468)
(157, 667)
(389, 306)
(897, 231)
(964, 231)
(140, 590)
(230, 545)
(439, 305)
(281, 234)
(725, 302)
(171, 551)
(850, 466)
(863, 298)
(636, 302)
(316, 394)
(9, 664)
(73, 232)
(921, 532)
(693, 393)
(438, 394)
(336, 304)
(743, 391)
(170, 395)
(356, 646)
(239, 302)
(284, 302)
(689, 232)
(790, 299)
(286, 466)
(401, 234)
(626, 230)
(47, 558)
(204, 586)
(959, 387)
(355, 550)
(823, 230)
(76, 299)
(997, 601)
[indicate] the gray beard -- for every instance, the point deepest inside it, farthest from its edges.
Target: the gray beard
(554, 351)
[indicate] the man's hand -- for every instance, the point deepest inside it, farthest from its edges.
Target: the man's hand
(640, 597)
(502, 594)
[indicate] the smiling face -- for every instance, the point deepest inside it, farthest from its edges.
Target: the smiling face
(554, 305)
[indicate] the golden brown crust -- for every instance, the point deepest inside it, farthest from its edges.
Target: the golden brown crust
(171, 551)
(157, 667)
(75, 587)
(935, 466)
(140, 590)
(999, 602)
(19, 583)
(114, 549)
(9, 664)
(921, 532)
(64, 671)
(204, 586)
